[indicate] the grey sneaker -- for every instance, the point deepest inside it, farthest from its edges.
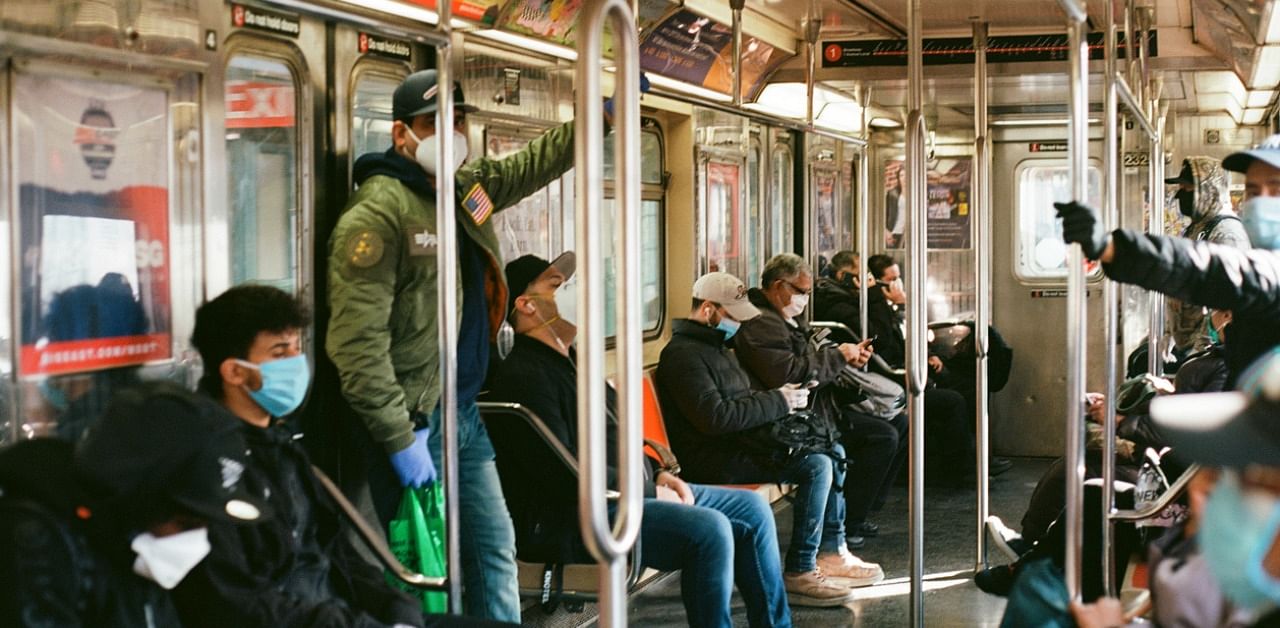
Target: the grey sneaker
(813, 589)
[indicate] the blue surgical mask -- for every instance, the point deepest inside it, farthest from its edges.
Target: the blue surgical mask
(1261, 216)
(284, 384)
(728, 326)
(1238, 530)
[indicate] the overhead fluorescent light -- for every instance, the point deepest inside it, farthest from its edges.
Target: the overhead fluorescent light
(1253, 116)
(672, 85)
(529, 43)
(840, 116)
(884, 123)
(789, 100)
(1260, 97)
(407, 10)
(1266, 72)
(1037, 121)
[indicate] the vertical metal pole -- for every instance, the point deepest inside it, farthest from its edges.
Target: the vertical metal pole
(1131, 51)
(979, 205)
(1078, 146)
(1110, 297)
(1155, 225)
(812, 25)
(864, 210)
(737, 6)
(447, 305)
(917, 306)
(1145, 15)
(608, 544)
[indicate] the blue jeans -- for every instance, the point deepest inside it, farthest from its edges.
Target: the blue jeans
(727, 536)
(819, 508)
(488, 550)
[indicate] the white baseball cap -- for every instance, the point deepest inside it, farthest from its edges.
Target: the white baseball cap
(728, 292)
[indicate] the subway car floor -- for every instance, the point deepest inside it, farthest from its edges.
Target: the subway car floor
(951, 599)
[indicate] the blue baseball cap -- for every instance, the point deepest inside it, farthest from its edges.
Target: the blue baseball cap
(1268, 151)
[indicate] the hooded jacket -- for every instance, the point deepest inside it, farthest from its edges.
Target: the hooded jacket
(1216, 276)
(61, 567)
(709, 408)
(382, 277)
(1212, 220)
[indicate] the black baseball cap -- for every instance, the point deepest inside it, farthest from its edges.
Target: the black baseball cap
(1268, 151)
(525, 269)
(416, 96)
(1227, 429)
(1185, 176)
(158, 440)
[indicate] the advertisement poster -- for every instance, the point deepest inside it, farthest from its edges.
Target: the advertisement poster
(948, 204)
(552, 20)
(94, 224)
(698, 50)
(723, 196)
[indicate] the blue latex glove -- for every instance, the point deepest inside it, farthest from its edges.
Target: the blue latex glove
(413, 463)
(644, 89)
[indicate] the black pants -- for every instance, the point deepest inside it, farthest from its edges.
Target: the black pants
(875, 448)
(1126, 542)
(1050, 494)
(949, 452)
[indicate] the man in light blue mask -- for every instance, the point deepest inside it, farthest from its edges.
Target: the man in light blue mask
(1200, 272)
(298, 568)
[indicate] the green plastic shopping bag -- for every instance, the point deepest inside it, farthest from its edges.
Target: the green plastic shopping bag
(417, 540)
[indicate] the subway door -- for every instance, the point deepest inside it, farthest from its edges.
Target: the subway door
(1029, 282)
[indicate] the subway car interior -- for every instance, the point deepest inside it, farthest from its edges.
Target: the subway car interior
(155, 153)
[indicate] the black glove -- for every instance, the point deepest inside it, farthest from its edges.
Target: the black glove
(1082, 225)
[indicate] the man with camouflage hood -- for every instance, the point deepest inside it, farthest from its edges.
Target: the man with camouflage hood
(1204, 197)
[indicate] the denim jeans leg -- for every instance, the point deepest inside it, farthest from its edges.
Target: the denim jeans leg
(698, 542)
(488, 549)
(757, 566)
(833, 517)
(812, 475)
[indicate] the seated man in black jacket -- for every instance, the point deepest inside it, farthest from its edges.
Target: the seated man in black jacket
(299, 569)
(96, 534)
(719, 426)
(715, 536)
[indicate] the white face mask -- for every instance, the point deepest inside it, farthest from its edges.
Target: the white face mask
(425, 154)
(796, 306)
(166, 560)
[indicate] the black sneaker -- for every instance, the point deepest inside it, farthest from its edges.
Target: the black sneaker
(855, 541)
(867, 529)
(996, 466)
(996, 580)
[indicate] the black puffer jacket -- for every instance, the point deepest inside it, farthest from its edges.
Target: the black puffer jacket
(1221, 277)
(837, 302)
(59, 569)
(775, 352)
(709, 408)
(296, 569)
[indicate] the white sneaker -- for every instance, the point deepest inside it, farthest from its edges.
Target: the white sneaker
(1001, 535)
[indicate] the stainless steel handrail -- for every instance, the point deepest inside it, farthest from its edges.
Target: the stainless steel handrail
(608, 544)
(981, 209)
(1174, 491)
(917, 305)
(864, 210)
(534, 421)
(1110, 297)
(736, 6)
(1155, 226)
(1131, 102)
(1078, 147)
(447, 303)
(374, 539)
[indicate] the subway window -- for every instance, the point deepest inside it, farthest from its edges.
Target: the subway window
(530, 226)
(262, 157)
(371, 111)
(781, 199)
(1041, 253)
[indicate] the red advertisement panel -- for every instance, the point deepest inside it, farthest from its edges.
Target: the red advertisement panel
(94, 224)
(257, 105)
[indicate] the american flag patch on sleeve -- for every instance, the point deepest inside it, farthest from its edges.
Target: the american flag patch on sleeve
(478, 205)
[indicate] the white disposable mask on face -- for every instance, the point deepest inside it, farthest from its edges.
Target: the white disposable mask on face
(166, 560)
(425, 154)
(796, 306)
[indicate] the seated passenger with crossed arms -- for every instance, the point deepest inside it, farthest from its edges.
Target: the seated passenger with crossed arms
(722, 429)
(715, 536)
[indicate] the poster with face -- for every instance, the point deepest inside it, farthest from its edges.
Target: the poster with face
(93, 206)
(947, 203)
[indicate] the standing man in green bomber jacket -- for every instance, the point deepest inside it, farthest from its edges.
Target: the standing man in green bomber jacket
(382, 329)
